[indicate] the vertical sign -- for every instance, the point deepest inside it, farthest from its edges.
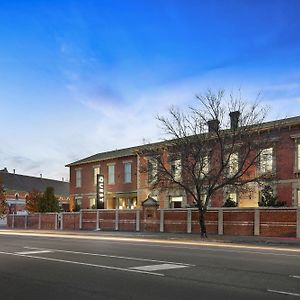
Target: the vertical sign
(100, 191)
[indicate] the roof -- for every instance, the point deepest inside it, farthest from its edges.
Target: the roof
(23, 183)
(106, 156)
(134, 150)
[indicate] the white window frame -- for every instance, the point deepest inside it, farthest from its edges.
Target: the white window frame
(111, 174)
(174, 199)
(96, 172)
(233, 164)
(176, 169)
(266, 160)
(153, 170)
(78, 178)
(127, 172)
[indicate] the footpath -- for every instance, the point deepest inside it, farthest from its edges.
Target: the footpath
(176, 238)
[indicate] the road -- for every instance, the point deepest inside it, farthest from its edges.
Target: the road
(52, 267)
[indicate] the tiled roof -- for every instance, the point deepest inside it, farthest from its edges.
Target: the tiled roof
(23, 183)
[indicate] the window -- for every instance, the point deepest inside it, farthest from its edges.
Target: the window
(233, 164)
(176, 169)
(152, 170)
(92, 203)
(266, 160)
(111, 174)
(298, 197)
(202, 169)
(78, 202)
(96, 172)
(78, 178)
(127, 172)
(176, 202)
(298, 156)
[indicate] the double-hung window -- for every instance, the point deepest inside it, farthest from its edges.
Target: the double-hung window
(266, 160)
(111, 174)
(96, 172)
(152, 170)
(233, 164)
(176, 169)
(127, 172)
(78, 178)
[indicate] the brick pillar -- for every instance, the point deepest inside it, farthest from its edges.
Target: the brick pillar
(137, 220)
(256, 221)
(116, 219)
(220, 222)
(189, 221)
(298, 222)
(161, 220)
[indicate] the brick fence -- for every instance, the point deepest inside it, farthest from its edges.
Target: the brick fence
(275, 222)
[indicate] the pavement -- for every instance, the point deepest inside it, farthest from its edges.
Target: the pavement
(175, 237)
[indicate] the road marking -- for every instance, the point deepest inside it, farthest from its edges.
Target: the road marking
(158, 267)
(284, 293)
(81, 263)
(112, 256)
(34, 252)
(295, 276)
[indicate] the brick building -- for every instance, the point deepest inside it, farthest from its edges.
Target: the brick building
(18, 186)
(126, 186)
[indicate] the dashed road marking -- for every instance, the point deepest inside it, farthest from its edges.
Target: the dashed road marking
(158, 267)
(34, 252)
(295, 276)
(284, 293)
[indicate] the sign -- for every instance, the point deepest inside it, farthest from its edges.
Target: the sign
(100, 189)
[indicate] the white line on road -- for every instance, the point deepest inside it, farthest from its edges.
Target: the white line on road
(81, 263)
(111, 256)
(284, 293)
(158, 267)
(295, 276)
(34, 252)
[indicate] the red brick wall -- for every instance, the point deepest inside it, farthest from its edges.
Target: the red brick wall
(273, 222)
(70, 221)
(238, 222)
(279, 222)
(127, 220)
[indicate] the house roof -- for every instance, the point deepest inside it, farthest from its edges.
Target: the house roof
(106, 156)
(23, 183)
(134, 150)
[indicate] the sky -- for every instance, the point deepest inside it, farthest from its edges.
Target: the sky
(82, 77)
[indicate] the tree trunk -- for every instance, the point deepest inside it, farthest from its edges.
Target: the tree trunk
(202, 223)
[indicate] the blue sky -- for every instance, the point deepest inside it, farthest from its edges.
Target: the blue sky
(81, 77)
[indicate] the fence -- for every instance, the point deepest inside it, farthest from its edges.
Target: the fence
(276, 222)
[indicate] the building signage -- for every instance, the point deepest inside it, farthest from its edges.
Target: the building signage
(100, 188)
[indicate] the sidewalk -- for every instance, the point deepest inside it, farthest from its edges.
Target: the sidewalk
(175, 237)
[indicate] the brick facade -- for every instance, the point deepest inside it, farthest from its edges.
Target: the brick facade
(285, 140)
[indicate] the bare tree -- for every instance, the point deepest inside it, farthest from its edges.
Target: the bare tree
(207, 150)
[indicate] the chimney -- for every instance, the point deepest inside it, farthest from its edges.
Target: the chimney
(213, 125)
(234, 119)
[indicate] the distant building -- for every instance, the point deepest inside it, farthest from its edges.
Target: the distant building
(126, 186)
(17, 187)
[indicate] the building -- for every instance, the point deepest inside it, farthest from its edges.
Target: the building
(17, 187)
(126, 186)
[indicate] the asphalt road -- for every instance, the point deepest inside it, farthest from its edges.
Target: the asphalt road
(73, 268)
